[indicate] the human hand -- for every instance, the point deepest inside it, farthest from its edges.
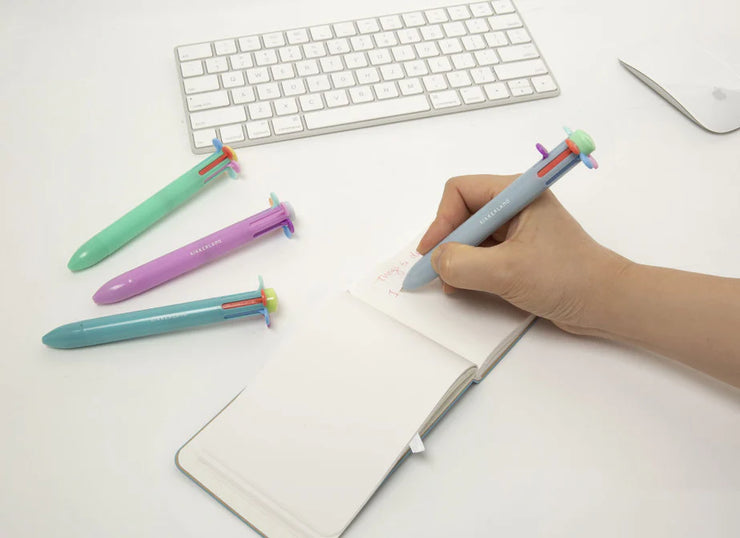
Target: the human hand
(542, 261)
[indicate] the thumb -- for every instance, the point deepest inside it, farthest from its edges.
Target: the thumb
(474, 268)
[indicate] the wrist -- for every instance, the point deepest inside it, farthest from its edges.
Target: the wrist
(606, 282)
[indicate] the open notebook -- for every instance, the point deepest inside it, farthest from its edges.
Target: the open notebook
(300, 451)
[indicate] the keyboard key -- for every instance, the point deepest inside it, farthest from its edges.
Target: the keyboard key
(410, 86)
(526, 68)
(454, 29)
(427, 49)
(319, 83)
(191, 69)
(293, 87)
(355, 60)
(243, 95)
(249, 44)
(472, 94)
(517, 52)
(343, 79)
(408, 35)
(458, 13)
(204, 138)
(201, 84)
(463, 61)
(481, 9)
(338, 46)
(336, 98)
(496, 39)
(414, 19)
(391, 72)
(431, 32)
(258, 129)
(496, 91)
(503, 6)
(504, 22)
(345, 29)
(241, 61)
(391, 22)
(307, 68)
(520, 87)
(282, 72)
(361, 42)
(268, 91)
(473, 42)
(486, 57)
(265, 57)
(232, 79)
(366, 111)
(379, 57)
(517, 36)
(194, 52)
(226, 46)
(450, 46)
(440, 65)
(435, 16)
(257, 75)
(217, 65)
(315, 50)
(481, 75)
(331, 64)
(459, 79)
(435, 82)
(312, 101)
(386, 90)
(544, 83)
(476, 26)
(285, 106)
(445, 99)
(217, 116)
(275, 39)
(368, 26)
(320, 33)
(289, 124)
(417, 68)
(385, 39)
(368, 75)
(361, 94)
(290, 54)
(231, 134)
(297, 37)
(202, 101)
(259, 111)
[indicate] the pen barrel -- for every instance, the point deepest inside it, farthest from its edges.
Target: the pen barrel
(151, 210)
(518, 195)
(165, 319)
(193, 255)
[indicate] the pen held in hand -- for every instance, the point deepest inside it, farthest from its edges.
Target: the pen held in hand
(518, 195)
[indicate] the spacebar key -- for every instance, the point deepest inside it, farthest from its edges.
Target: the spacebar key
(366, 111)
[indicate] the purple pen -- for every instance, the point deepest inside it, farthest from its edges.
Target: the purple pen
(197, 253)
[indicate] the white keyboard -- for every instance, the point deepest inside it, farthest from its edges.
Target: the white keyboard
(289, 84)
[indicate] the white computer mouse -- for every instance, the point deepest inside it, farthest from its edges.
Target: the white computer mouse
(691, 78)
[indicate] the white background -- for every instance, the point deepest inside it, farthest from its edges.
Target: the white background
(567, 437)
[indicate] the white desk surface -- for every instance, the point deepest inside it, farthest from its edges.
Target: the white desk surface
(567, 437)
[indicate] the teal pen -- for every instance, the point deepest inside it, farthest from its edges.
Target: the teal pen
(109, 240)
(163, 319)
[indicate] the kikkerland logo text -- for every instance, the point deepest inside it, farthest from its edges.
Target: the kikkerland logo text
(205, 247)
(495, 210)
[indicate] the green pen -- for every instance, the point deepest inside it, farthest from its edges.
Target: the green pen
(154, 208)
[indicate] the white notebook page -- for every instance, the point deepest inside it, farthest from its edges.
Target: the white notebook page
(302, 449)
(473, 325)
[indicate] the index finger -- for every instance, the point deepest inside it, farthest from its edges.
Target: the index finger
(462, 196)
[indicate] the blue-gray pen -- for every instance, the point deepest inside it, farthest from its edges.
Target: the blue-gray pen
(518, 195)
